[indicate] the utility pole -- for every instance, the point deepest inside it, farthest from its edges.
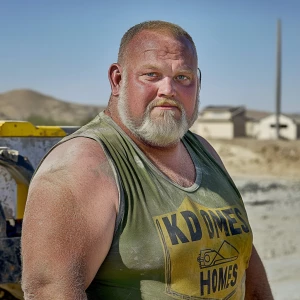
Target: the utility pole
(278, 79)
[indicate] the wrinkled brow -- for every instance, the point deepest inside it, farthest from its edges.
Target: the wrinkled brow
(184, 69)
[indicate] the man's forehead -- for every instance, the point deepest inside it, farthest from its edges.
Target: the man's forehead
(161, 44)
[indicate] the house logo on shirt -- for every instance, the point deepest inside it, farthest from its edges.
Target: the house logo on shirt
(202, 249)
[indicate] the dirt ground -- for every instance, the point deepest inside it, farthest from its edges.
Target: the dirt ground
(250, 157)
(267, 174)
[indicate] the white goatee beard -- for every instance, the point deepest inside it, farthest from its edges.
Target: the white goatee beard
(161, 131)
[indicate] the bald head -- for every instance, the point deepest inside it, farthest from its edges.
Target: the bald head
(162, 27)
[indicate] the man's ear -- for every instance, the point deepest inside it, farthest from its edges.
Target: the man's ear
(114, 76)
(199, 78)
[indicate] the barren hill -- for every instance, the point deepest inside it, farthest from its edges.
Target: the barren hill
(31, 105)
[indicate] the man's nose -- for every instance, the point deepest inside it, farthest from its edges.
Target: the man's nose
(166, 88)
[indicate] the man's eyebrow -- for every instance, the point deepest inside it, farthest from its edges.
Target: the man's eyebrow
(154, 67)
(186, 69)
(149, 66)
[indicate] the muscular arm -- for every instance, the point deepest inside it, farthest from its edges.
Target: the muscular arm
(257, 285)
(69, 221)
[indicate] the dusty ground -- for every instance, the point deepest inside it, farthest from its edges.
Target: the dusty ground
(249, 157)
(267, 174)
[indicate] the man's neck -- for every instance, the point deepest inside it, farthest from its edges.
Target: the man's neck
(173, 160)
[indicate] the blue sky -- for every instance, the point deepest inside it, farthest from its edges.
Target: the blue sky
(64, 48)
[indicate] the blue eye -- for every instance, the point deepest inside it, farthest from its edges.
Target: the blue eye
(151, 74)
(182, 77)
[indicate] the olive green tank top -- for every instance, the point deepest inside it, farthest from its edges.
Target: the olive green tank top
(171, 242)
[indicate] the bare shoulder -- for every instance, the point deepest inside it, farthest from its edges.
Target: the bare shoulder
(69, 217)
(78, 167)
(79, 151)
(79, 163)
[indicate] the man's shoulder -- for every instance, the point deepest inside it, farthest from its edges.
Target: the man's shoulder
(209, 148)
(78, 148)
(204, 143)
(80, 169)
(73, 155)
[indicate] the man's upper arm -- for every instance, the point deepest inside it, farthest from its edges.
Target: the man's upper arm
(69, 220)
(257, 285)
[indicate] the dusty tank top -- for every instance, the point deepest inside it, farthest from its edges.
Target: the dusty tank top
(171, 242)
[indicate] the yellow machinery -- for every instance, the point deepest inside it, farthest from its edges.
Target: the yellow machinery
(22, 146)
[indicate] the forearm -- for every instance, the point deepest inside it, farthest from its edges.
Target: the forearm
(257, 285)
(52, 291)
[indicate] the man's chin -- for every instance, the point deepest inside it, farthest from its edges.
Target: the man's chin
(161, 136)
(161, 131)
(160, 142)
